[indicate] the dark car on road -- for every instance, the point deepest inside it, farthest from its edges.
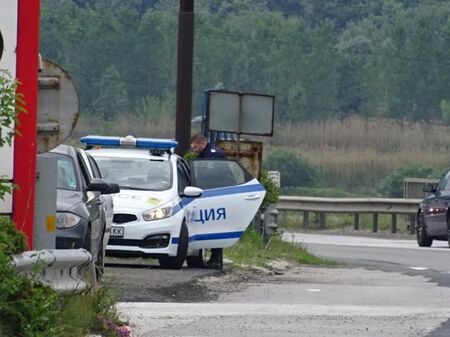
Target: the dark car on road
(84, 204)
(433, 216)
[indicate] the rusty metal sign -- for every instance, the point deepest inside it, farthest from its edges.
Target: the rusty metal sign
(250, 154)
(58, 106)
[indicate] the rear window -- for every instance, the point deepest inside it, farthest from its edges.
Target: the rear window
(66, 175)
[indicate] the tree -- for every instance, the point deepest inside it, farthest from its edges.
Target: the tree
(113, 97)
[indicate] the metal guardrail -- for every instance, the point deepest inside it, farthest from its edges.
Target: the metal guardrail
(354, 206)
(65, 270)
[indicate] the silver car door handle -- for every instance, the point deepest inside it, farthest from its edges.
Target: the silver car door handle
(252, 197)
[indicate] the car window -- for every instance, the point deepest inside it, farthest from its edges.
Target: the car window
(183, 175)
(95, 169)
(218, 173)
(444, 183)
(136, 173)
(66, 175)
(84, 169)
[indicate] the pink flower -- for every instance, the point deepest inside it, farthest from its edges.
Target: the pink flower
(124, 331)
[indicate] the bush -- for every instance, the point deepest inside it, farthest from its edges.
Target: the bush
(392, 185)
(26, 309)
(272, 191)
(294, 170)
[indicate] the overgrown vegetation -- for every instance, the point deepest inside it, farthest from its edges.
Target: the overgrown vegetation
(392, 185)
(294, 170)
(355, 154)
(29, 308)
(320, 59)
(272, 191)
(11, 104)
(358, 92)
(252, 251)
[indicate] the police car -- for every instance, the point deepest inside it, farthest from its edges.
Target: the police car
(171, 209)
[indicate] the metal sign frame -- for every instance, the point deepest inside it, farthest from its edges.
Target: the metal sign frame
(239, 116)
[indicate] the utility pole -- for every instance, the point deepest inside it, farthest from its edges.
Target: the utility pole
(184, 75)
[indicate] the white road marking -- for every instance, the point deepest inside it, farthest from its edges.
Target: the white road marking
(418, 268)
(158, 310)
(357, 241)
(313, 290)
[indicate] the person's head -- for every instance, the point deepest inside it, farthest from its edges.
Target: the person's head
(198, 143)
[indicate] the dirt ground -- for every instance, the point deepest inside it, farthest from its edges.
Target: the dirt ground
(141, 280)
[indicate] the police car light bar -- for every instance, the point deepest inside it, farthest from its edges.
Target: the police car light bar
(130, 141)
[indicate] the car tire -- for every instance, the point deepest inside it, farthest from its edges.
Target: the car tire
(423, 240)
(448, 229)
(100, 263)
(176, 262)
(87, 239)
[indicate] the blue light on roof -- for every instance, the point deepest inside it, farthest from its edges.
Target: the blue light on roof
(130, 141)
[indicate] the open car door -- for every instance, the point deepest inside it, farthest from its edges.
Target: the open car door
(230, 200)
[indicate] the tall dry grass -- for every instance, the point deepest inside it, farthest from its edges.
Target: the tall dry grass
(354, 153)
(357, 153)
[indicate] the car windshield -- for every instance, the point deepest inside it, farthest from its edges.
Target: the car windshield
(66, 177)
(136, 173)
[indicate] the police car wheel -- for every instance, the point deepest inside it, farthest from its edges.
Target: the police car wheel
(176, 262)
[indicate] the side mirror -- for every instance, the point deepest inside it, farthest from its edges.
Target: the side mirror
(113, 188)
(193, 192)
(98, 185)
(429, 188)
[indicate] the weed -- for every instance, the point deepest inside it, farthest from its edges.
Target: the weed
(251, 250)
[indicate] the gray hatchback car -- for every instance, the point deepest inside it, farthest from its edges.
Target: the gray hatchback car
(84, 204)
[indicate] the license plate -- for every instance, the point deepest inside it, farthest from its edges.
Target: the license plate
(117, 232)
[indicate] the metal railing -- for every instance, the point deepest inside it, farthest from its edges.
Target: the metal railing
(355, 206)
(66, 270)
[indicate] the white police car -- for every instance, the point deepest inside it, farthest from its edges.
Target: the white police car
(171, 209)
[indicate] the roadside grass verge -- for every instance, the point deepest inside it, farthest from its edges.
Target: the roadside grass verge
(252, 251)
(89, 312)
(31, 309)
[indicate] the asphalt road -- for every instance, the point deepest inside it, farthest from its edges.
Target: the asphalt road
(403, 256)
(382, 288)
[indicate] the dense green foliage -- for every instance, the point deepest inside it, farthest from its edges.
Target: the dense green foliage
(27, 309)
(392, 185)
(30, 309)
(11, 104)
(272, 191)
(294, 170)
(319, 58)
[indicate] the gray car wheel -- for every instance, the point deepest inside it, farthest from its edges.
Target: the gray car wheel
(423, 240)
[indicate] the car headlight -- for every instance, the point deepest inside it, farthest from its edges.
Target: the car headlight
(66, 220)
(158, 213)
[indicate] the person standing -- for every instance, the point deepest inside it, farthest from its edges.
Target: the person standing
(204, 149)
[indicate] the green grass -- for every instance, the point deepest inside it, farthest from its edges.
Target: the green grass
(252, 251)
(86, 313)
